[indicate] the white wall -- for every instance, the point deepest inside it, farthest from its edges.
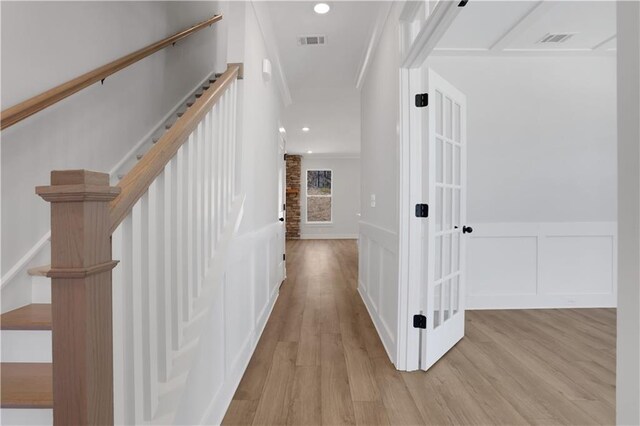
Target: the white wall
(379, 162)
(250, 288)
(47, 43)
(262, 107)
(541, 179)
(345, 198)
(628, 345)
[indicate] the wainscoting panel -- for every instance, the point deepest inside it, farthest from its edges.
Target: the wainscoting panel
(541, 265)
(378, 281)
(243, 303)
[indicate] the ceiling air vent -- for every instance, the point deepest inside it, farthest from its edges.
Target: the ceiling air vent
(312, 40)
(555, 38)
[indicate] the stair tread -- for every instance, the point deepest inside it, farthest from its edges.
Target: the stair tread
(26, 385)
(36, 316)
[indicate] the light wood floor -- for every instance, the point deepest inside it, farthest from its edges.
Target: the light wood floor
(320, 361)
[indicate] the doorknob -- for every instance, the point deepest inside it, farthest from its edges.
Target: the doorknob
(281, 219)
(467, 229)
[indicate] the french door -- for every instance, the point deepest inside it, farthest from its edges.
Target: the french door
(443, 135)
(282, 177)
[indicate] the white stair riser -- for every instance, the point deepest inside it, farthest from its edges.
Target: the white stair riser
(25, 346)
(40, 289)
(26, 416)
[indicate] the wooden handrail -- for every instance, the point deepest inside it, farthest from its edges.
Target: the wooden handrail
(25, 109)
(135, 183)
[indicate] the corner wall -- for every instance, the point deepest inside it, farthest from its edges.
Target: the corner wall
(379, 162)
(253, 278)
(628, 347)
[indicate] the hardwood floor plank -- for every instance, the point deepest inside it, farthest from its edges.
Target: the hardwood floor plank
(337, 405)
(306, 405)
(253, 380)
(370, 413)
(275, 401)
(400, 406)
(321, 361)
(359, 368)
(240, 412)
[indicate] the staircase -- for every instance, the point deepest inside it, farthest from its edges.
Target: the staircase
(126, 333)
(25, 369)
(27, 390)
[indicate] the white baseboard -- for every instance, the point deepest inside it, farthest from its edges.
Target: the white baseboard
(328, 236)
(386, 339)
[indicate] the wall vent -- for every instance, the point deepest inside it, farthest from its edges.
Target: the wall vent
(312, 40)
(555, 38)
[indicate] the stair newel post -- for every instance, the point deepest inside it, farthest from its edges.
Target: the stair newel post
(81, 267)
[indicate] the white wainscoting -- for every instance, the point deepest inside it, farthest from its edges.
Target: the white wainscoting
(542, 265)
(241, 310)
(378, 281)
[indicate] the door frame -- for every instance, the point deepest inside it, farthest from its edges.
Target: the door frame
(432, 26)
(628, 26)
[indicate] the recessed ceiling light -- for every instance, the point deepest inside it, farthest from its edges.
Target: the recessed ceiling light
(321, 8)
(309, 152)
(282, 129)
(305, 129)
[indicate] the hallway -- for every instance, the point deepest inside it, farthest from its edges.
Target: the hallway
(320, 360)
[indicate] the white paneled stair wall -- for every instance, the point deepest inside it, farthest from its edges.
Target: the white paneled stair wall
(173, 249)
(190, 298)
(24, 273)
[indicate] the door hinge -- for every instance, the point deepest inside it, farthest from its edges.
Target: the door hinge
(285, 157)
(422, 210)
(284, 256)
(419, 321)
(463, 3)
(284, 207)
(422, 100)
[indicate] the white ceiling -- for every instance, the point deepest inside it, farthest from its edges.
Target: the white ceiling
(507, 27)
(322, 79)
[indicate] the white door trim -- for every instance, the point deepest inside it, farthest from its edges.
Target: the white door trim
(410, 180)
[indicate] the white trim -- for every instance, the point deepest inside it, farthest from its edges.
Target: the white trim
(329, 236)
(431, 32)
(522, 52)
(536, 286)
(386, 237)
(376, 33)
(23, 263)
(220, 404)
(380, 328)
(260, 8)
(306, 197)
(532, 15)
(147, 139)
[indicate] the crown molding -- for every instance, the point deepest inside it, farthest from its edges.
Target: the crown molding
(374, 39)
(261, 10)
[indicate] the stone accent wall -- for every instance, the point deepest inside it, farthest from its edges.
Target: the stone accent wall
(294, 171)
